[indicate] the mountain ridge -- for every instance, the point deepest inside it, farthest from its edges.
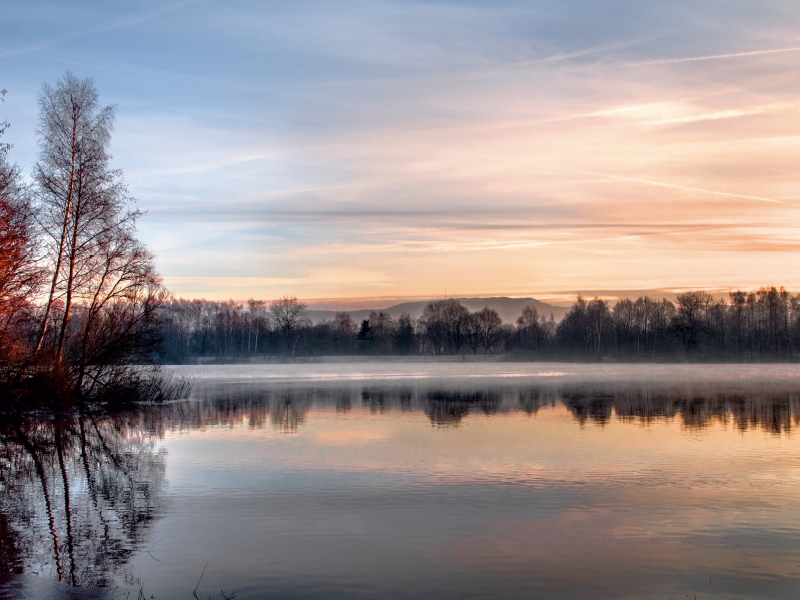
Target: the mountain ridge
(508, 308)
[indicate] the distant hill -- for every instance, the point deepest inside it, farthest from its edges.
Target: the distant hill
(508, 309)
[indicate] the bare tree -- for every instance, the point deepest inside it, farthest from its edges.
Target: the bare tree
(474, 337)
(586, 326)
(383, 328)
(104, 296)
(491, 328)
(19, 275)
(81, 200)
(534, 332)
(4, 147)
(690, 321)
(446, 325)
(434, 326)
(118, 322)
(456, 318)
(289, 314)
(404, 337)
(258, 320)
(345, 325)
(599, 320)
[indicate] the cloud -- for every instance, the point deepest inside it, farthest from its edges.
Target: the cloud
(393, 148)
(113, 23)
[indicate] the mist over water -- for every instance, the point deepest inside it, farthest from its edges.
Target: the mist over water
(421, 480)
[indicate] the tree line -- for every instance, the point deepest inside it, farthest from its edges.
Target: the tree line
(761, 325)
(79, 293)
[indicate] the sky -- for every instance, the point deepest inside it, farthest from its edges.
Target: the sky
(407, 149)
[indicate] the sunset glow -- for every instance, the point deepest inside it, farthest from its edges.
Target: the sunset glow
(403, 149)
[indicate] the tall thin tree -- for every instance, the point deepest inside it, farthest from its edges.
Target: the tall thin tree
(80, 198)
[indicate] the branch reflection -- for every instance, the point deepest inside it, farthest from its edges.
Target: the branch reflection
(79, 494)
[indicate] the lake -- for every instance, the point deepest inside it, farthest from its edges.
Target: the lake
(416, 480)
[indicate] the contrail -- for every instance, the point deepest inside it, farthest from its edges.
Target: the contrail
(666, 61)
(679, 187)
(717, 56)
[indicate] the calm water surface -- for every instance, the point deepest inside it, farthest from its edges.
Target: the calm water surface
(420, 480)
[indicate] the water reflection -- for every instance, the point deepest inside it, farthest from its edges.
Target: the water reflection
(775, 408)
(79, 494)
(776, 411)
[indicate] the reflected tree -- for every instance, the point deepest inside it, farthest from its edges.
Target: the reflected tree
(447, 408)
(80, 493)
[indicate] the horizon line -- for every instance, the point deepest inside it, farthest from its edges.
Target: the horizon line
(553, 297)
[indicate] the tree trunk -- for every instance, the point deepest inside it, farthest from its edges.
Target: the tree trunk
(62, 240)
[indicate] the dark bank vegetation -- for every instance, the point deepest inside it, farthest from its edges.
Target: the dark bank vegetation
(763, 325)
(79, 294)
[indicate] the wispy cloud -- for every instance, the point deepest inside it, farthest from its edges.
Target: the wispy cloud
(725, 114)
(683, 188)
(391, 148)
(80, 31)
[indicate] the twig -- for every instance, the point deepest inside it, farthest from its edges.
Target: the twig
(151, 548)
(194, 593)
(231, 597)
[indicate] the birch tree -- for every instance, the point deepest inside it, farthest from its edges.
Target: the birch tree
(82, 202)
(103, 294)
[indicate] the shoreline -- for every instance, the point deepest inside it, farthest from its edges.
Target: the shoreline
(459, 358)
